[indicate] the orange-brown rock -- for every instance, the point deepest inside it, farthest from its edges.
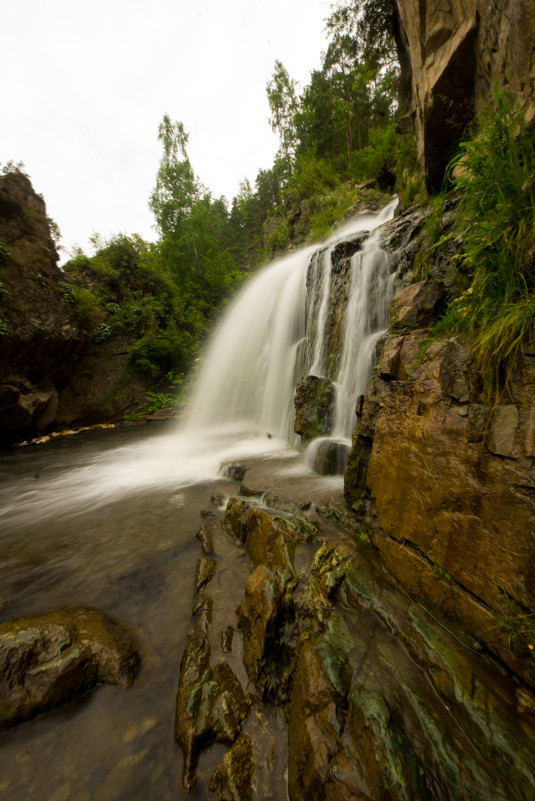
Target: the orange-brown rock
(453, 483)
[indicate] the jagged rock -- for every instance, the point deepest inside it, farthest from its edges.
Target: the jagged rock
(227, 636)
(48, 660)
(261, 618)
(328, 570)
(203, 574)
(235, 517)
(269, 541)
(315, 717)
(417, 306)
(236, 472)
(314, 407)
(210, 707)
(457, 51)
(233, 777)
(205, 535)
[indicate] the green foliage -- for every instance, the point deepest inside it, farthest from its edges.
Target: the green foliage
(67, 292)
(2, 288)
(5, 251)
(100, 333)
(3, 328)
(410, 184)
(496, 222)
(14, 166)
(176, 186)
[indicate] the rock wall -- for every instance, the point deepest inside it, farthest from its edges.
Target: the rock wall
(451, 478)
(457, 50)
(52, 375)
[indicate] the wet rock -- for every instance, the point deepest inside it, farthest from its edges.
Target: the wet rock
(314, 407)
(315, 718)
(235, 518)
(460, 480)
(205, 535)
(330, 457)
(227, 636)
(211, 705)
(261, 619)
(376, 759)
(269, 541)
(233, 777)
(204, 607)
(48, 660)
(204, 573)
(327, 572)
(236, 472)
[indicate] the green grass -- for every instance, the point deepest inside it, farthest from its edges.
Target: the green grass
(495, 178)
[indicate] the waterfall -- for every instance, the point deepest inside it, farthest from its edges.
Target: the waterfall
(265, 344)
(272, 335)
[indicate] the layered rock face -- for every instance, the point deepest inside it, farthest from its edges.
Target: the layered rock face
(39, 333)
(452, 478)
(457, 50)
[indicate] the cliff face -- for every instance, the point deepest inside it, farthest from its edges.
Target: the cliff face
(451, 477)
(52, 375)
(39, 333)
(457, 50)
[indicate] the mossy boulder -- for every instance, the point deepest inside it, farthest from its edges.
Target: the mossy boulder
(48, 660)
(314, 407)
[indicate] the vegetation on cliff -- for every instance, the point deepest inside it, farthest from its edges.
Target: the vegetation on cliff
(494, 225)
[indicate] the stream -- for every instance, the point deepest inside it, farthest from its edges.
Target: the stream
(134, 558)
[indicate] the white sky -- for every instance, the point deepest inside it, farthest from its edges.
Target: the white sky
(85, 86)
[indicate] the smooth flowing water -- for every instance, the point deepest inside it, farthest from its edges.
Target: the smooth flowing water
(107, 519)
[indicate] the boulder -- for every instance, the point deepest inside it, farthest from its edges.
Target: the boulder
(48, 660)
(233, 777)
(314, 407)
(328, 457)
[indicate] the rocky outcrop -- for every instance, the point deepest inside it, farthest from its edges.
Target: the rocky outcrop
(458, 50)
(53, 373)
(39, 333)
(452, 479)
(48, 660)
(314, 408)
(373, 697)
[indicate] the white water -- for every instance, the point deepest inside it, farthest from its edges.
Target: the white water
(242, 404)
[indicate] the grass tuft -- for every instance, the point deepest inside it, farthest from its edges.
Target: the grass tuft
(495, 176)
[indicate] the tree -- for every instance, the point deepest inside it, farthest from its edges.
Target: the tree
(176, 185)
(284, 105)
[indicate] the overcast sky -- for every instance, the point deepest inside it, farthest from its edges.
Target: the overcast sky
(85, 86)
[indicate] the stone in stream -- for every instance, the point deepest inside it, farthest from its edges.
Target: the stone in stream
(314, 407)
(210, 707)
(48, 660)
(233, 777)
(330, 457)
(203, 574)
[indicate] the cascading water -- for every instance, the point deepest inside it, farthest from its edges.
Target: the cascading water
(256, 357)
(242, 404)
